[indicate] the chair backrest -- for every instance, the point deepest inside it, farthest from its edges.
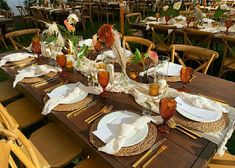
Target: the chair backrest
(186, 12)
(228, 54)
(205, 54)
(197, 37)
(21, 10)
(163, 36)
(16, 142)
(139, 40)
(14, 34)
(133, 17)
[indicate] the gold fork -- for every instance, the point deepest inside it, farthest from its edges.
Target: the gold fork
(104, 110)
(190, 131)
(174, 126)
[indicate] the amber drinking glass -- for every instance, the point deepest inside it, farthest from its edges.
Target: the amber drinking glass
(61, 60)
(167, 108)
(186, 74)
(228, 24)
(36, 47)
(167, 18)
(103, 79)
(189, 19)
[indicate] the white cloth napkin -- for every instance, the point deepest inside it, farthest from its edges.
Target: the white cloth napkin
(115, 144)
(203, 102)
(15, 57)
(111, 54)
(34, 71)
(53, 102)
(87, 42)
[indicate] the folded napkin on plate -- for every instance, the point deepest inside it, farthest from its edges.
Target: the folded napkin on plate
(34, 71)
(111, 54)
(87, 42)
(202, 102)
(115, 144)
(53, 102)
(15, 57)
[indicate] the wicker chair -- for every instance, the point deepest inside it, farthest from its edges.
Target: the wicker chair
(49, 146)
(207, 55)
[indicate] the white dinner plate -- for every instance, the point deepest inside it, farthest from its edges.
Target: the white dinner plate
(114, 119)
(64, 90)
(195, 113)
(111, 54)
(18, 56)
(173, 70)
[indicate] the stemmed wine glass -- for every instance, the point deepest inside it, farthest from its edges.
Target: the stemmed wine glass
(228, 24)
(186, 74)
(103, 79)
(189, 19)
(167, 108)
(61, 60)
(36, 47)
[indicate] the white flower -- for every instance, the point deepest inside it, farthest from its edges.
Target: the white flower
(72, 19)
(165, 7)
(224, 7)
(177, 5)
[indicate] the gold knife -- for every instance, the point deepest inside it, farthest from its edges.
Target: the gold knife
(157, 144)
(159, 151)
(76, 112)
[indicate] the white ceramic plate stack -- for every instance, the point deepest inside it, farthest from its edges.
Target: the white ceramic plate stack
(195, 113)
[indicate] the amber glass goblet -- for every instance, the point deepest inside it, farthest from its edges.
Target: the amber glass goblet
(167, 18)
(36, 47)
(228, 24)
(186, 74)
(61, 60)
(103, 79)
(189, 19)
(167, 108)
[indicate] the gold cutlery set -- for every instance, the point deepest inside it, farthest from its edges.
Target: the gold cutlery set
(106, 109)
(158, 152)
(171, 123)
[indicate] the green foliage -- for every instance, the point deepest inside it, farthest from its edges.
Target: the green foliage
(218, 14)
(4, 5)
(52, 38)
(81, 53)
(138, 58)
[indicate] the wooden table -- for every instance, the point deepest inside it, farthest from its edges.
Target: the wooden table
(182, 150)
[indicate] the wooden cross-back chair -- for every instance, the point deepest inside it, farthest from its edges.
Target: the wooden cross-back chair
(2, 39)
(24, 14)
(106, 11)
(139, 40)
(196, 38)
(163, 36)
(132, 18)
(49, 146)
(207, 55)
(228, 60)
(86, 14)
(14, 34)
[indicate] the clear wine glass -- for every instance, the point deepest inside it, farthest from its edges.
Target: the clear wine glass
(167, 108)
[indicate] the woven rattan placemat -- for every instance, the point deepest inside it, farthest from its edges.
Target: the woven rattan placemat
(39, 79)
(202, 126)
(144, 145)
(73, 106)
(24, 61)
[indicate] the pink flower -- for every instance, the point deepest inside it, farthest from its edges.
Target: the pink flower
(69, 26)
(153, 56)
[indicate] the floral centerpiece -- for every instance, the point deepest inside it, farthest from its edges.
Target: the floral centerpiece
(138, 58)
(109, 37)
(171, 11)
